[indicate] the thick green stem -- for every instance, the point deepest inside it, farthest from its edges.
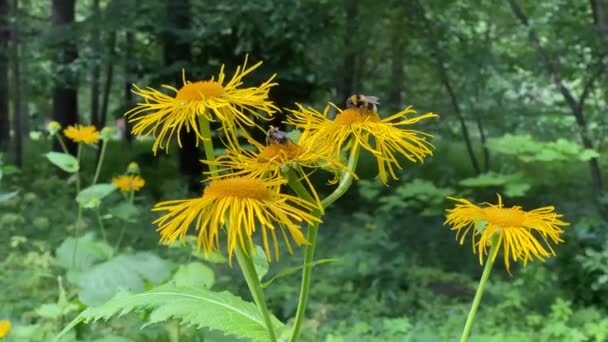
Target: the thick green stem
(79, 217)
(79, 168)
(345, 182)
(205, 128)
(482, 284)
(101, 155)
(131, 197)
(255, 287)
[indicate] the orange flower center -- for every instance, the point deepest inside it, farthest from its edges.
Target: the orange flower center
(283, 152)
(354, 115)
(505, 217)
(200, 90)
(240, 187)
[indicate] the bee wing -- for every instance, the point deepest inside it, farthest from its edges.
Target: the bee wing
(373, 99)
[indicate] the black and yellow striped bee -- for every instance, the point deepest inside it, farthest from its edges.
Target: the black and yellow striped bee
(363, 102)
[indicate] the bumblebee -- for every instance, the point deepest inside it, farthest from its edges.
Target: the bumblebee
(363, 102)
(276, 136)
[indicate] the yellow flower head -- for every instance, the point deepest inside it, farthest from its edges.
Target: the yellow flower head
(128, 183)
(82, 134)
(278, 155)
(522, 234)
(5, 327)
(361, 126)
(241, 204)
(164, 116)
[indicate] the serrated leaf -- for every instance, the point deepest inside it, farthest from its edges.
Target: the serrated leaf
(191, 306)
(94, 193)
(123, 273)
(64, 161)
(81, 253)
(260, 262)
(194, 274)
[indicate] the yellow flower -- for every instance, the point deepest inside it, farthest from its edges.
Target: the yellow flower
(82, 134)
(277, 156)
(5, 327)
(241, 204)
(128, 183)
(384, 138)
(522, 234)
(163, 115)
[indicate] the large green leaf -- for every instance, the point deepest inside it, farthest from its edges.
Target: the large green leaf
(123, 273)
(82, 253)
(194, 274)
(192, 306)
(64, 161)
(94, 193)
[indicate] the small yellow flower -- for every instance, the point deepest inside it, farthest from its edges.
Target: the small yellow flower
(523, 234)
(133, 168)
(276, 157)
(128, 183)
(5, 327)
(164, 116)
(242, 205)
(384, 138)
(82, 134)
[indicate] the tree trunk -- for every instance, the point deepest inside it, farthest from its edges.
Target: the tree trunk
(397, 59)
(576, 107)
(178, 52)
(4, 65)
(17, 108)
(129, 79)
(349, 83)
(65, 96)
(95, 72)
(447, 83)
(107, 88)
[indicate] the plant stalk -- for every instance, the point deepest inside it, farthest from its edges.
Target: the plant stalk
(482, 284)
(101, 155)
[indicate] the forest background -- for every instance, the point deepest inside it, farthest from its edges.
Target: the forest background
(521, 88)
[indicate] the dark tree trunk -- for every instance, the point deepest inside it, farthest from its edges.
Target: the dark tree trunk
(129, 78)
(397, 60)
(4, 65)
(350, 64)
(65, 96)
(576, 106)
(17, 107)
(107, 87)
(95, 72)
(447, 83)
(177, 52)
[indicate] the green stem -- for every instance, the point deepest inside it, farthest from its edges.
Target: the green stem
(124, 226)
(207, 143)
(63, 147)
(79, 167)
(345, 182)
(347, 178)
(482, 284)
(255, 287)
(101, 155)
(79, 217)
(101, 227)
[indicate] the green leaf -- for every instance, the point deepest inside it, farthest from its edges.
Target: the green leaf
(588, 154)
(7, 196)
(194, 274)
(64, 161)
(82, 253)
(295, 269)
(123, 273)
(94, 193)
(125, 211)
(260, 262)
(192, 306)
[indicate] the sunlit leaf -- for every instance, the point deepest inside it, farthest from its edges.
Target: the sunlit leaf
(64, 161)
